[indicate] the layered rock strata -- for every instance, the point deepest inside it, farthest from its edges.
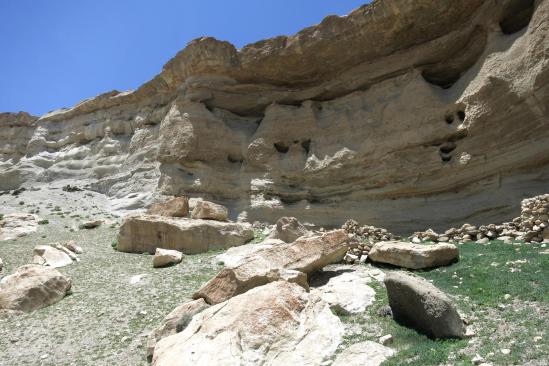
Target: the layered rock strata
(403, 114)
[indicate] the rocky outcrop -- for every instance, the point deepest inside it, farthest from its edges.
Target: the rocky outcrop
(16, 225)
(33, 287)
(287, 261)
(166, 257)
(146, 233)
(175, 322)
(276, 324)
(175, 207)
(416, 303)
(327, 124)
(414, 256)
(288, 229)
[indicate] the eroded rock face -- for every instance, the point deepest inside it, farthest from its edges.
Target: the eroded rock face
(33, 287)
(287, 261)
(175, 207)
(15, 225)
(146, 233)
(416, 303)
(276, 324)
(325, 125)
(414, 256)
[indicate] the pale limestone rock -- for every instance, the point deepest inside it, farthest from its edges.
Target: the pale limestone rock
(47, 255)
(366, 353)
(15, 225)
(145, 233)
(175, 207)
(175, 322)
(306, 255)
(209, 211)
(32, 287)
(236, 255)
(416, 303)
(344, 288)
(288, 229)
(166, 257)
(276, 324)
(414, 256)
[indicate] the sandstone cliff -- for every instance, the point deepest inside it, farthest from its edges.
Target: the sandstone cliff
(404, 114)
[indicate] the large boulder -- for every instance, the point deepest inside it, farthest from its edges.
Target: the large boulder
(15, 225)
(33, 287)
(366, 353)
(47, 255)
(209, 211)
(276, 324)
(175, 322)
(236, 255)
(145, 233)
(166, 257)
(416, 303)
(305, 255)
(288, 229)
(413, 256)
(175, 207)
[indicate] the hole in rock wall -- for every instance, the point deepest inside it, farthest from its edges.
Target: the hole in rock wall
(461, 115)
(234, 159)
(306, 145)
(446, 158)
(448, 148)
(516, 15)
(449, 118)
(281, 147)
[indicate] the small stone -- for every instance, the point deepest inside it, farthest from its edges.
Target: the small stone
(506, 296)
(505, 351)
(386, 339)
(477, 360)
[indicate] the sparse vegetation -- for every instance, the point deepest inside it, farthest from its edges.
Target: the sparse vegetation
(43, 222)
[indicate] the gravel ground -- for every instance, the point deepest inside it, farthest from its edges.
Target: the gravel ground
(107, 319)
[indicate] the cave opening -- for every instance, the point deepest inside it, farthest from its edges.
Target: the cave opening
(281, 147)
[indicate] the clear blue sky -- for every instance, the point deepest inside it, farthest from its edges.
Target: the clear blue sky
(58, 52)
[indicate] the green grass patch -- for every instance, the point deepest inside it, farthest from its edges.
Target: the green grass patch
(501, 288)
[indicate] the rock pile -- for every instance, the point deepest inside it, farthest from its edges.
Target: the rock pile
(531, 226)
(365, 237)
(534, 218)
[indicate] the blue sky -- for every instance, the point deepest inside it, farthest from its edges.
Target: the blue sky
(58, 52)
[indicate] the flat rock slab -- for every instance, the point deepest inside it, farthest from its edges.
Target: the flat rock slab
(236, 255)
(413, 256)
(276, 324)
(32, 287)
(270, 264)
(47, 255)
(363, 354)
(416, 303)
(15, 225)
(209, 211)
(146, 233)
(345, 288)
